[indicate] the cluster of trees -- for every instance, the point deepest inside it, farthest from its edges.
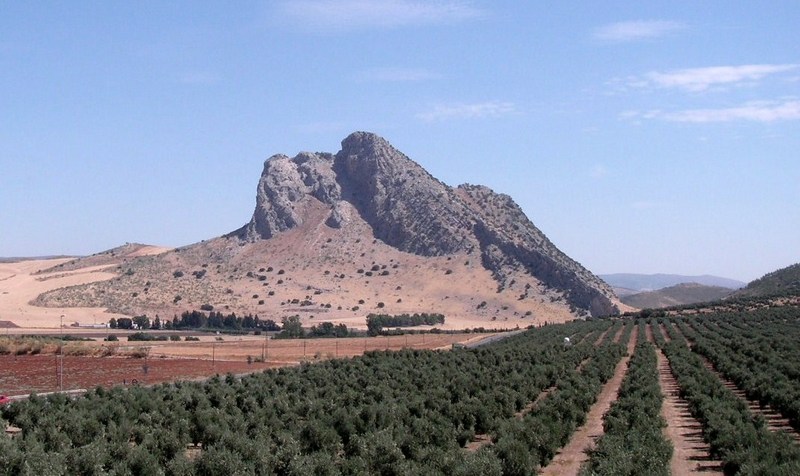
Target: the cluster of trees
(196, 320)
(376, 322)
(633, 442)
(293, 329)
(406, 412)
(138, 322)
(217, 320)
(742, 442)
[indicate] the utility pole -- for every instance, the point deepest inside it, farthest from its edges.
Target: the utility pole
(61, 355)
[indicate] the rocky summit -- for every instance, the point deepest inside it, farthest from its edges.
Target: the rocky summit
(412, 211)
(335, 237)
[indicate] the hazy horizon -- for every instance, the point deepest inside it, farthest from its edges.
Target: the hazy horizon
(640, 138)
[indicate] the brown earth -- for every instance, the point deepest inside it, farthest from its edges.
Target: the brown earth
(40, 373)
(171, 361)
(568, 461)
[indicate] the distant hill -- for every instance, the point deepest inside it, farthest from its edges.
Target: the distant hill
(17, 259)
(783, 281)
(106, 258)
(629, 283)
(680, 294)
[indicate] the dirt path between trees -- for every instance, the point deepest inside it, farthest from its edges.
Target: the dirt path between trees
(619, 333)
(691, 454)
(569, 460)
(601, 337)
(664, 333)
(482, 439)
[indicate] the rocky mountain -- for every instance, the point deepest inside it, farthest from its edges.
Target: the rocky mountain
(370, 222)
(680, 294)
(410, 210)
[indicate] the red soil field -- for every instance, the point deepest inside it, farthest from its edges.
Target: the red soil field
(172, 361)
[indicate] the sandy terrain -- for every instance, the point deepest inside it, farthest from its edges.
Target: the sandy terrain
(18, 286)
(22, 281)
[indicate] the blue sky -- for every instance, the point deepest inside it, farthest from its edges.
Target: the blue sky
(639, 136)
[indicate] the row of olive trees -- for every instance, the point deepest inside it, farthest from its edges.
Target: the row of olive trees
(407, 412)
(761, 362)
(741, 441)
(527, 444)
(633, 442)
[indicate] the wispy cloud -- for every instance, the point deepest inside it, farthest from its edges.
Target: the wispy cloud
(701, 79)
(396, 75)
(360, 14)
(598, 172)
(757, 111)
(636, 30)
(468, 111)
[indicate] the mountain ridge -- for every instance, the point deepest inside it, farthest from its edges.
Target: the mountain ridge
(677, 295)
(638, 282)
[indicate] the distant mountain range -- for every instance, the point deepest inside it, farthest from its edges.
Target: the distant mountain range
(666, 290)
(680, 294)
(625, 284)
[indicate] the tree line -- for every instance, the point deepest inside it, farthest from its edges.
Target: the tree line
(376, 322)
(196, 320)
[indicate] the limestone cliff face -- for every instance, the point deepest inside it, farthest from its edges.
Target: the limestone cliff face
(509, 241)
(284, 186)
(410, 210)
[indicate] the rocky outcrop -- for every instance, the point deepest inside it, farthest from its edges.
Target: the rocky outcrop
(510, 242)
(284, 186)
(409, 209)
(406, 206)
